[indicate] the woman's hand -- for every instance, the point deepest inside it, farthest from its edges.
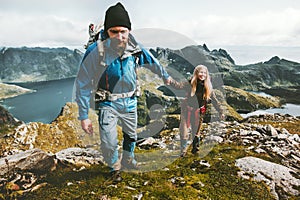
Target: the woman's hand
(222, 116)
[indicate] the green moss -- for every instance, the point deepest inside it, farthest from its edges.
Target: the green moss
(245, 101)
(220, 181)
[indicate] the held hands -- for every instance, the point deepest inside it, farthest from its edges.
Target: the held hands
(175, 84)
(168, 81)
(87, 126)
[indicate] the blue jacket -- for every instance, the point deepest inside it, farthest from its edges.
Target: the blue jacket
(102, 68)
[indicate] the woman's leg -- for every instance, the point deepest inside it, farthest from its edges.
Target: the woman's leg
(196, 130)
(184, 134)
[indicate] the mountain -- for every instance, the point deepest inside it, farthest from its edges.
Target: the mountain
(181, 62)
(38, 64)
(273, 73)
(43, 64)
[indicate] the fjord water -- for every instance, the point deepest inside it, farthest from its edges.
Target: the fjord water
(45, 104)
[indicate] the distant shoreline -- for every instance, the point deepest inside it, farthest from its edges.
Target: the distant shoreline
(11, 90)
(289, 94)
(245, 55)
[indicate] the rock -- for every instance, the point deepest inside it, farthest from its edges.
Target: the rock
(138, 196)
(274, 175)
(200, 166)
(198, 185)
(24, 180)
(271, 130)
(180, 181)
(26, 134)
(6, 118)
(213, 139)
(79, 157)
(34, 160)
(148, 143)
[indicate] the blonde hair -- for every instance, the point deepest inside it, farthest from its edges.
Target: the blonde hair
(207, 83)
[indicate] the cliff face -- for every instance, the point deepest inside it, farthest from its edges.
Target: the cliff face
(6, 120)
(38, 64)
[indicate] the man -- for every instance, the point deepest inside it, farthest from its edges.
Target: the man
(92, 34)
(110, 65)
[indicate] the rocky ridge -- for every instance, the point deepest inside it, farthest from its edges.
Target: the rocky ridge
(274, 73)
(62, 143)
(38, 64)
(274, 148)
(277, 146)
(29, 64)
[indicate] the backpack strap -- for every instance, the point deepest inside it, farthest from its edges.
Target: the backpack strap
(102, 94)
(138, 86)
(101, 52)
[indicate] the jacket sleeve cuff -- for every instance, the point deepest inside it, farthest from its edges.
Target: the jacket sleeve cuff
(83, 117)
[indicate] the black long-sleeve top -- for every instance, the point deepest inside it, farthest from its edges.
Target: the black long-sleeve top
(197, 100)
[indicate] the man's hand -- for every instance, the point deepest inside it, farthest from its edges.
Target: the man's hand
(87, 126)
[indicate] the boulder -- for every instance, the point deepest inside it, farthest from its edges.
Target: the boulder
(79, 157)
(34, 160)
(278, 177)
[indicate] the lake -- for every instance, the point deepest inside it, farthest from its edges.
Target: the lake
(291, 109)
(45, 104)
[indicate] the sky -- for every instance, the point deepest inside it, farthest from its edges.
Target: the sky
(167, 23)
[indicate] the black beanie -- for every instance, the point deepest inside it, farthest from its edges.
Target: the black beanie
(116, 16)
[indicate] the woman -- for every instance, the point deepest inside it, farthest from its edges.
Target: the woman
(199, 92)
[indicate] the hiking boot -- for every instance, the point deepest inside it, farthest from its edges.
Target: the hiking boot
(116, 176)
(183, 147)
(183, 152)
(196, 145)
(195, 150)
(130, 165)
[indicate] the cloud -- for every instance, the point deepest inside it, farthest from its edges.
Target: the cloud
(41, 31)
(68, 26)
(155, 37)
(269, 28)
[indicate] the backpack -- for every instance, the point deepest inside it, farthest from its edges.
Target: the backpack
(93, 35)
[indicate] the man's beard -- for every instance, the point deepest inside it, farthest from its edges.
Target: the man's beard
(118, 46)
